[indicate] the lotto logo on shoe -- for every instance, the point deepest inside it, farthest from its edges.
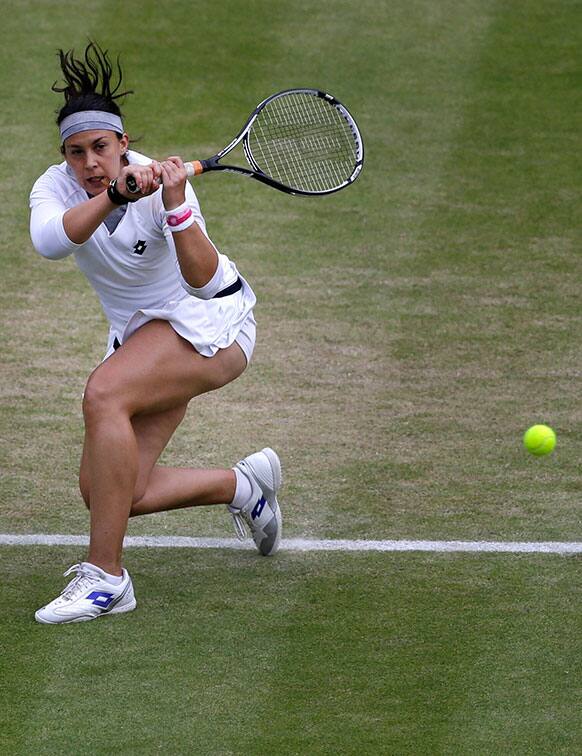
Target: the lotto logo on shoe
(100, 598)
(258, 508)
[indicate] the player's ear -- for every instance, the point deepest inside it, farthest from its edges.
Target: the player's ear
(124, 143)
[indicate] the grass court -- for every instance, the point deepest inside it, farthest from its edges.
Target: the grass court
(410, 329)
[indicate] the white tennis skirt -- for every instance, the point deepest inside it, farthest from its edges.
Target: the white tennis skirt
(208, 324)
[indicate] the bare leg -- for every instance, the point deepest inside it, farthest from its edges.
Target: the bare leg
(175, 488)
(155, 371)
(159, 488)
(113, 466)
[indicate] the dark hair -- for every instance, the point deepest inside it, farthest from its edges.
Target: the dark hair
(90, 82)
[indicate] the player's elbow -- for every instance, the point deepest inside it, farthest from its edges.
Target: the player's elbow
(50, 240)
(204, 283)
(203, 292)
(50, 251)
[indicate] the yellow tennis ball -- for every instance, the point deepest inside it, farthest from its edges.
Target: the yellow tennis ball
(539, 440)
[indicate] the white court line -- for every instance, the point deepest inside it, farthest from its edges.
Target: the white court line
(305, 544)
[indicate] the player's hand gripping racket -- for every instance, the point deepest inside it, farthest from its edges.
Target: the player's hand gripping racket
(300, 141)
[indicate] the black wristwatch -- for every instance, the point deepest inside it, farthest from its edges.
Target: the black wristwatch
(115, 196)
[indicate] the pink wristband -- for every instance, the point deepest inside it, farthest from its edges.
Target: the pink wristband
(180, 218)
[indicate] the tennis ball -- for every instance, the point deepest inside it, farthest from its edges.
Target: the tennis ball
(539, 440)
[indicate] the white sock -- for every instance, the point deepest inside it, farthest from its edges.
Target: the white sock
(243, 491)
(112, 579)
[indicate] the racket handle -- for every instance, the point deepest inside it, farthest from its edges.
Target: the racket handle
(195, 168)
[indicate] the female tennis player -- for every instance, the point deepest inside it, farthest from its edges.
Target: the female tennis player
(181, 323)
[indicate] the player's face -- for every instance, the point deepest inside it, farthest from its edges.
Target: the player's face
(95, 157)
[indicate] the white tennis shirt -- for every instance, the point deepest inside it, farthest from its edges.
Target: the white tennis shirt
(134, 269)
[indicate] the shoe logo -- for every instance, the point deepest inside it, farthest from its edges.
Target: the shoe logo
(258, 508)
(100, 598)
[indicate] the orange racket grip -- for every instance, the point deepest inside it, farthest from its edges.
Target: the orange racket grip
(195, 168)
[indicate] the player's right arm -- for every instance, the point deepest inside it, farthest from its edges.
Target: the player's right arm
(81, 221)
(56, 231)
(47, 210)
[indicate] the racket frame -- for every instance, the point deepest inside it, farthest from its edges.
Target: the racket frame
(197, 167)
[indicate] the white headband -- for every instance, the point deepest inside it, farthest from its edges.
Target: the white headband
(87, 120)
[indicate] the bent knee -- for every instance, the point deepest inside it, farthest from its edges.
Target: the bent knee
(84, 489)
(137, 498)
(95, 395)
(139, 503)
(99, 397)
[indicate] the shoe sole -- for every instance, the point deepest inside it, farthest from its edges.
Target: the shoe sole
(275, 547)
(275, 464)
(116, 610)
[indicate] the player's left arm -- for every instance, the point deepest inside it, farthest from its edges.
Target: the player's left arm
(197, 257)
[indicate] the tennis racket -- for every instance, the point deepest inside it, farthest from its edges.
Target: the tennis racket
(300, 141)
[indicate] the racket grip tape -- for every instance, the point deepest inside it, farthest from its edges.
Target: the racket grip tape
(195, 168)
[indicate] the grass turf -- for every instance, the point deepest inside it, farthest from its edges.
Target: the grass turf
(310, 653)
(410, 329)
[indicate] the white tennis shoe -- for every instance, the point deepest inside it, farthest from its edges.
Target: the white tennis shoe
(88, 596)
(261, 514)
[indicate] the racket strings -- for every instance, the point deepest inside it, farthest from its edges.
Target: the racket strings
(304, 142)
